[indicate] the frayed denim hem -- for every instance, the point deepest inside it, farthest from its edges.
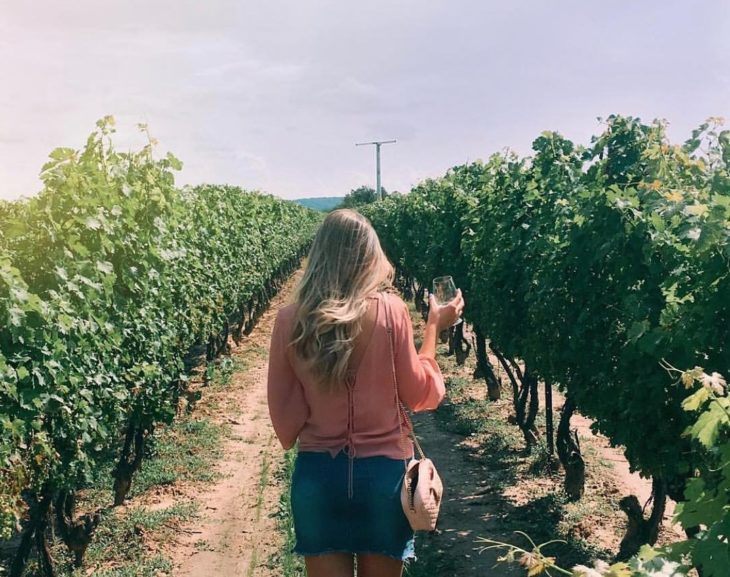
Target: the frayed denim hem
(408, 555)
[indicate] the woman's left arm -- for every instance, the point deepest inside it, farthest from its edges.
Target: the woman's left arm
(287, 406)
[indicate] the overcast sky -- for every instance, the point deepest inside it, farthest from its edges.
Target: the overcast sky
(273, 94)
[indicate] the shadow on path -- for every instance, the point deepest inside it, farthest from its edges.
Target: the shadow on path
(476, 475)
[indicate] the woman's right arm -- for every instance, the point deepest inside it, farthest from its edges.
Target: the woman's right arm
(287, 406)
(440, 317)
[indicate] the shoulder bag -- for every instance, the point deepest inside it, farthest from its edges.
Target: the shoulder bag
(422, 487)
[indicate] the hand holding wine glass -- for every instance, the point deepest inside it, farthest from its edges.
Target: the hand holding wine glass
(445, 303)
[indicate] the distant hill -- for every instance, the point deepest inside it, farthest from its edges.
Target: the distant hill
(322, 203)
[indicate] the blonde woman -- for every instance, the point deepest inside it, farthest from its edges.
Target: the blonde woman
(330, 386)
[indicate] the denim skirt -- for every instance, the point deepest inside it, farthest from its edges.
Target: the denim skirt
(349, 507)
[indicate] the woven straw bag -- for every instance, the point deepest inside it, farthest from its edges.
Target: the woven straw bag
(421, 494)
(422, 488)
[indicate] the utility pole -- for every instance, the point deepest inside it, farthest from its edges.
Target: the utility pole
(377, 160)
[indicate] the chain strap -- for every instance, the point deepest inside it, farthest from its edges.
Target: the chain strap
(402, 414)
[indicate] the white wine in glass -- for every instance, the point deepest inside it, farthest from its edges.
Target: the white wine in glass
(444, 290)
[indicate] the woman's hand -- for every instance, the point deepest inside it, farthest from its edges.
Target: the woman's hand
(444, 316)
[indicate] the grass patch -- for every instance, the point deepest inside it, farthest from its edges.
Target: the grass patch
(185, 451)
(219, 373)
(144, 568)
(287, 562)
(252, 563)
(120, 544)
(540, 463)
(203, 545)
(465, 415)
(575, 512)
(464, 418)
(263, 481)
(257, 351)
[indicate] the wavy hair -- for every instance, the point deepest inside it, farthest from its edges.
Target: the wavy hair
(346, 265)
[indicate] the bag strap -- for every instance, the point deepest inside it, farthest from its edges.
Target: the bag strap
(400, 409)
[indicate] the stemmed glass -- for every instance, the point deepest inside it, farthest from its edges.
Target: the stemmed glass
(444, 290)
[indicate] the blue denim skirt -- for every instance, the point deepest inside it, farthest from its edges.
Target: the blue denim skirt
(343, 507)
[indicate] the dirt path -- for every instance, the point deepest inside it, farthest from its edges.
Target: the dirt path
(473, 507)
(237, 532)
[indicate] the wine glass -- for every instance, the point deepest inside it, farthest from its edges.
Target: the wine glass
(444, 290)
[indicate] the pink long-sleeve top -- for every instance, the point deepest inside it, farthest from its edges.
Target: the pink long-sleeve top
(361, 418)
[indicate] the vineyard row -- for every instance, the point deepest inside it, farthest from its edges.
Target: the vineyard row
(598, 269)
(113, 284)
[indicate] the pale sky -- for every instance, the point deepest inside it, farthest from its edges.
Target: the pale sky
(273, 94)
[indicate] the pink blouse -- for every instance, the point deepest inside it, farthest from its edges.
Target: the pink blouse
(362, 418)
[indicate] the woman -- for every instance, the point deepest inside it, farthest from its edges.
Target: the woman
(331, 386)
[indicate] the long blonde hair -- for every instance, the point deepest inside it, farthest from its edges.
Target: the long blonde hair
(346, 266)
